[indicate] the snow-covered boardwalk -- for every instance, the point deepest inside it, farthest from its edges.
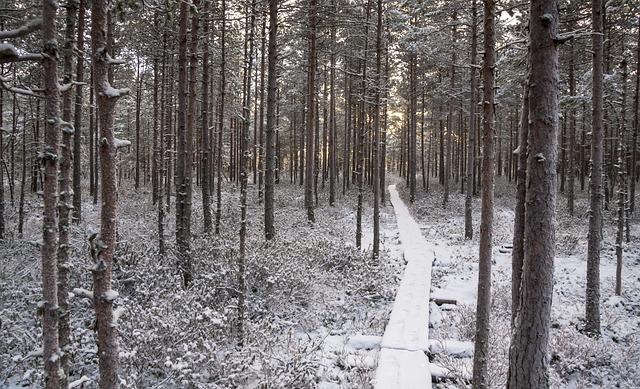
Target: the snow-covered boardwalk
(403, 363)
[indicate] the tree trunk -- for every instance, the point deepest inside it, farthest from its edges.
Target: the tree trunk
(65, 198)
(468, 205)
(452, 80)
(261, 147)
(332, 116)
(622, 184)
(311, 115)
(23, 175)
(77, 119)
(105, 244)
(592, 314)
(572, 133)
(481, 349)
(162, 171)
(138, 103)
(412, 125)
(361, 129)
(206, 143)
(2, 226)
(517, 254)
(49, 220)
(636, 129)
(376, 139)
(223, 86)
(244, 171)
(529, 362)
(183, 152)
(269, 218)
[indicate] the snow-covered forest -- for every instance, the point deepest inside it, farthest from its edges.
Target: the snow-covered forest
(321, 194)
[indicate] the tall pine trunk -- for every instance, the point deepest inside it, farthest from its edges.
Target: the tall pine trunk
(223, 86)
(529, 360)
(311, 114)
(49, 219)
(77, 118)
(65, 189)
(269, 218)
(592, 314)
(468, 205)
(481, 349)
(206, 143)
(105, 244)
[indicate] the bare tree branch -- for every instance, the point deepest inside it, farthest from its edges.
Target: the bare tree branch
(27, 28)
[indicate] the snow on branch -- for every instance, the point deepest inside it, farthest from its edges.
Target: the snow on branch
(4, 83)
(109, 91)
(9, 53)
(118, 143)
(79, 382)
(27, 28)
(83, 293)
(67, 87)
(67, 127)
(110, 295)
(112, 61)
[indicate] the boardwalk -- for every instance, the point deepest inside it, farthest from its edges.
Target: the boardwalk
(403, 363)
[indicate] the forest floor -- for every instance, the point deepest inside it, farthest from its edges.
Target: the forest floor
(316, 305)
(577, 361)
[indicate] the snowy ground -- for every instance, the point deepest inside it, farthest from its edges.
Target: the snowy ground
(317, 306)
(577, 361)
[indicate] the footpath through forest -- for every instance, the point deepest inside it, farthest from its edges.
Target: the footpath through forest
(403, 362)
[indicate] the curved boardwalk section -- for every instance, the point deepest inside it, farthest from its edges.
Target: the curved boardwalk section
(403, 363)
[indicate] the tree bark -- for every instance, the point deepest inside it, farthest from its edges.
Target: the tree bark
(105, 243)
(269, 184)
(468, 205)
(183, 153)
(481, 349)
(332, 115)
(376, 139)
(452, 80)
(64, 187)
(361, 129)
(529, 361)
(572, 134)
(517, 254)
(51, 350)
(206, 143)
(622, 183)
(311, 115)
(77, 118)
(223, 86)
(592, 314)
(636, 129)
(2, 225)
(244, 171)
